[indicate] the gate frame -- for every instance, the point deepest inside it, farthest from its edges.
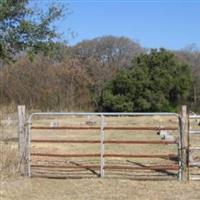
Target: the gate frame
(25, 136)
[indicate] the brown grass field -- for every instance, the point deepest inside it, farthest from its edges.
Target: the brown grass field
(85, 183)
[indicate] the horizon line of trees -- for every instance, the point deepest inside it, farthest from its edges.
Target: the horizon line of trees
(103, 74)
(107, 73)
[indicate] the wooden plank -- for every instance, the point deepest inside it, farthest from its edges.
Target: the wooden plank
(21, 130)
(184, 143)
(105, 128)
(105, 142)
(23, 141)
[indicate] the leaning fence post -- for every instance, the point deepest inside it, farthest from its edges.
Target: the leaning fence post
(184, 142)
(22, 145)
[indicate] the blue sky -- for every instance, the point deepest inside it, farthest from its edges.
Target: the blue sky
(172, 24)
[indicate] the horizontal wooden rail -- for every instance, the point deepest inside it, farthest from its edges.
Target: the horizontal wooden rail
(105, 128)
(105, 142)
(106, 155)
(111, 167)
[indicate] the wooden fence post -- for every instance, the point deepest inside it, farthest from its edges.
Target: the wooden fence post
(184, 142)
(23, 141)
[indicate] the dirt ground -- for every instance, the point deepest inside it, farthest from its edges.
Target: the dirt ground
(51, 189)
(115, 185)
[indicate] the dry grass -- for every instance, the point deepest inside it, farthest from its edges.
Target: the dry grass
(120, 186)
(82, 189)
(9, 161)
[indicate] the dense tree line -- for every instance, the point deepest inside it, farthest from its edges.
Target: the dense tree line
(68, 79)
(107, 73)
(155, 82)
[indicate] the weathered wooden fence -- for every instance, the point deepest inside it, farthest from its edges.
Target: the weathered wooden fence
(26, 155)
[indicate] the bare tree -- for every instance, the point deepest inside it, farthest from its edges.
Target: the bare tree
(103, 57)
(191, 55)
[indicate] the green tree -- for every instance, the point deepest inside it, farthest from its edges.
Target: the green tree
(19, 32)
(156, 82)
